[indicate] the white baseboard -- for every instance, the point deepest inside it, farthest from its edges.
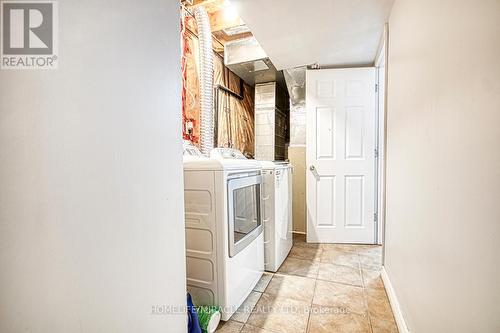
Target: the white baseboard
(398, 315)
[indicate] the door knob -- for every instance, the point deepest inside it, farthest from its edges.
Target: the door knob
(312, 168)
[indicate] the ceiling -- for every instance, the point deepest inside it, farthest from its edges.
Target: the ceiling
(328, 32)
(225, 28)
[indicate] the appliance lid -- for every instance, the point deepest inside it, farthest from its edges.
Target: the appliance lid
(227, 153)
(221, 159)
(271, 165)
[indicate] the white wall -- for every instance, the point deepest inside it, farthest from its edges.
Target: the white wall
(443, 171)
(91, 208)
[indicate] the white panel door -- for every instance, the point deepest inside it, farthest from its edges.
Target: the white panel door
(340, 155)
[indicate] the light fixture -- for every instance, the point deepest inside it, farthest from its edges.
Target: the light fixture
(230, 12)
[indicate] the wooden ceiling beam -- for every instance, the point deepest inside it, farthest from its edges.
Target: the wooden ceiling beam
(220, 35)
(207, 4)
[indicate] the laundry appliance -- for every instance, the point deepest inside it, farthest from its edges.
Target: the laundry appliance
(277, 203)
(224, 232)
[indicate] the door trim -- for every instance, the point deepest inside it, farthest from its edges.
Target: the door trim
(382, 56)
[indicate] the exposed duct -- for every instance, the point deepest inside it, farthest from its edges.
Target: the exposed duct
(295, 79)
(206, 78)
(246, 58)
(296, 84)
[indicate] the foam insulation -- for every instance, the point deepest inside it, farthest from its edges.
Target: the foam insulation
(190, 81)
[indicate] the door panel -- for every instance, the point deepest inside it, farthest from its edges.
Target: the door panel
(354, 133)
(325, 189)
(353, 201)
(340, 155)
(325, 142)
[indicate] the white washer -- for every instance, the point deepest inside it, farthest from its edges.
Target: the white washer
(277, 198)
(224, 233)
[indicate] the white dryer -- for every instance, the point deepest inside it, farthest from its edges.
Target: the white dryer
(277, 203)
(224, 233)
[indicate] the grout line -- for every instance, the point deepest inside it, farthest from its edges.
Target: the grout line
(270, 280)
(291, 274)
(302, 276)
(342, 283)
(266, 329)
(311, 305)
(367, 310)
(365, 298)
(251, 311)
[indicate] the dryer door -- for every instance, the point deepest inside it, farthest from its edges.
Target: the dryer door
(244, 211)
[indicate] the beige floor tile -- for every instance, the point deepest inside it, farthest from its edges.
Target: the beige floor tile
(305, 243)
(229, 327)
(340, 273)
(338, 323)
(340, 247)
(375, 292)
(299, 238)
(373, 262)
(306, 251)
(280, 314)
(373, 267)
(378, 304)
(370, 258)
(375, 250)
(372, 279)
(383, 326)
(341, 296)
(252, 329)
(263, 282)
(340, 257)
(301, 267)
(290, 286)
(246, 308)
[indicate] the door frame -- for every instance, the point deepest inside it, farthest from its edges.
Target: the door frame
(381, 140)
(381, 60)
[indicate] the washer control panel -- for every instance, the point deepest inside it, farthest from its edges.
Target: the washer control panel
(227, 153)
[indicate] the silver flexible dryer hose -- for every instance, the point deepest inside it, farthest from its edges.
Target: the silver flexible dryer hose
(206, 78)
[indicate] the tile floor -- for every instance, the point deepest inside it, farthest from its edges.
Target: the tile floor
(319, 288)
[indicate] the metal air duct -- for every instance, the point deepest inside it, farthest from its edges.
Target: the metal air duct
(246, 58)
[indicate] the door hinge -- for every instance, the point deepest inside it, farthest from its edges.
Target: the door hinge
(376, 87)
(376, 152)
(375, 217)
(315, 66)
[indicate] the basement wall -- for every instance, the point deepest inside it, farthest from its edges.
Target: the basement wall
(236, 116)
(443, 164)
